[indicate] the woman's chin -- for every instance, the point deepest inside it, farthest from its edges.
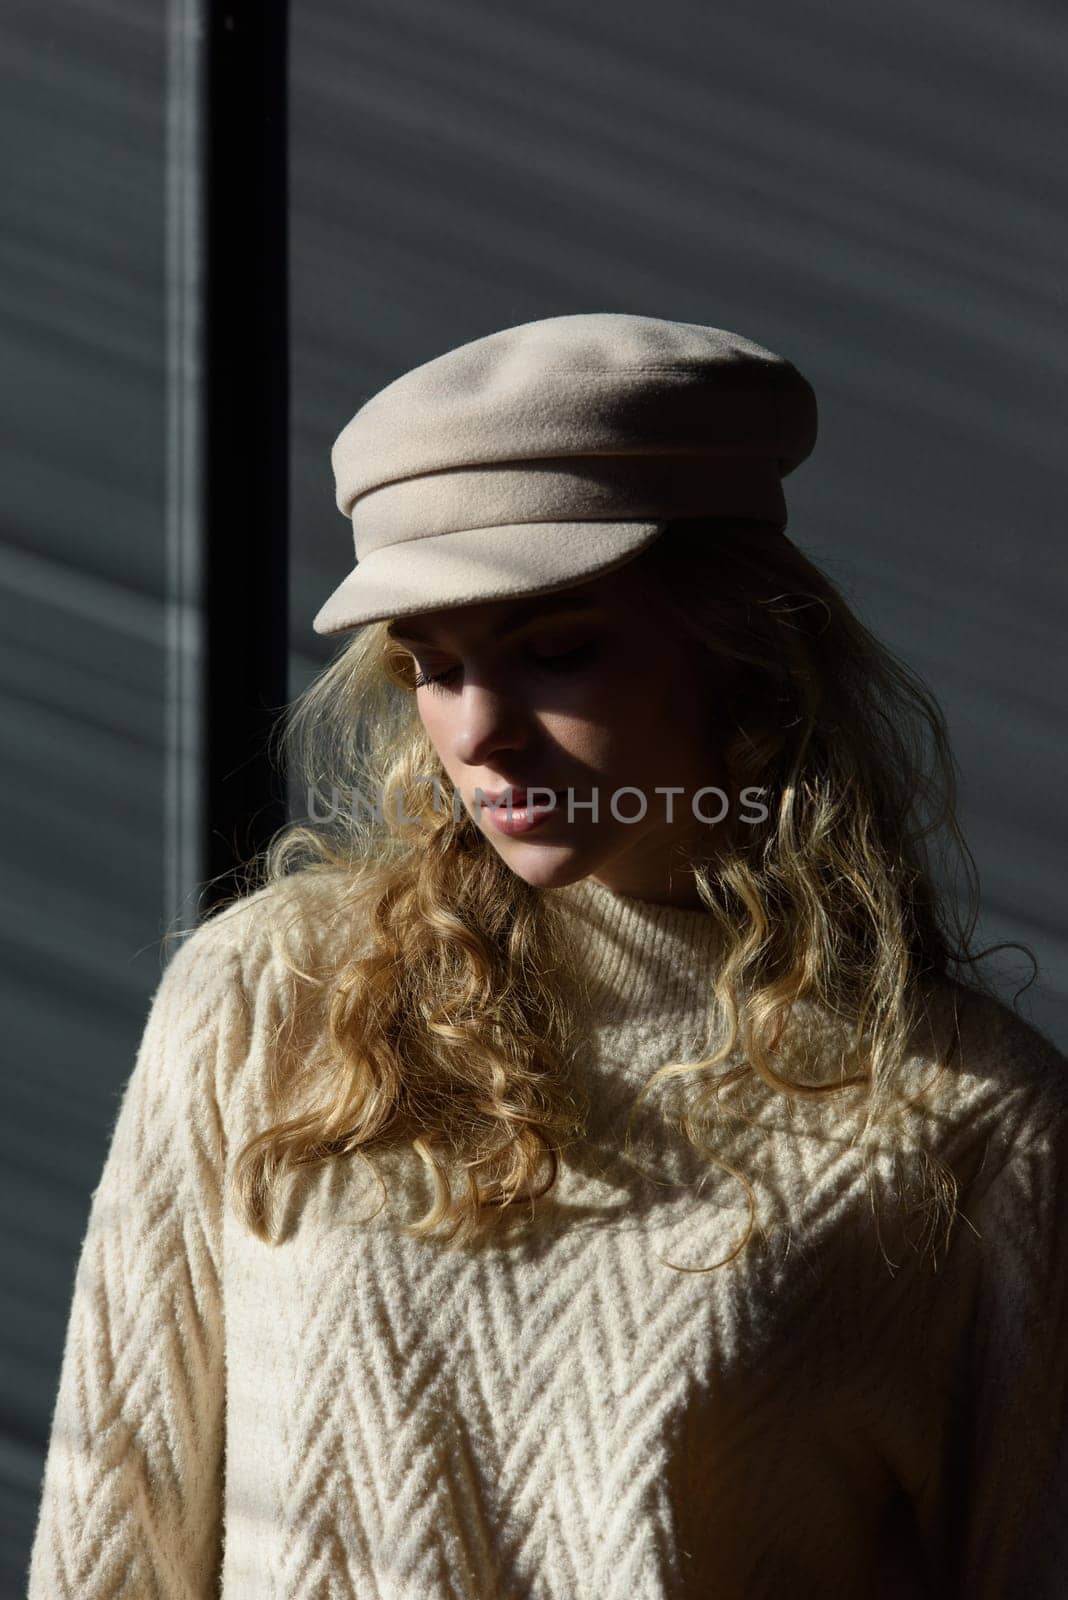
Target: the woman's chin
(544, 865)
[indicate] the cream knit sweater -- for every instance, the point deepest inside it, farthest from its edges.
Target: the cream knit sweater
(352, 1414)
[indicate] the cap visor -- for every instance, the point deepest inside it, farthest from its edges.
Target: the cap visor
(458, 569)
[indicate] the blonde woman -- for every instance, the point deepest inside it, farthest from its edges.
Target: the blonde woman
(587, 1161)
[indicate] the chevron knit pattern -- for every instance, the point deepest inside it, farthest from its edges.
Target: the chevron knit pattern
(563, 1414)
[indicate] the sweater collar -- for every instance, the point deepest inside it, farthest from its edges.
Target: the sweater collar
(641, 958)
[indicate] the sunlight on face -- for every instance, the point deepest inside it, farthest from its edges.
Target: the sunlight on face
(585, 692)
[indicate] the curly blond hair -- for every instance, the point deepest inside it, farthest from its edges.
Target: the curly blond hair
(451, 1023)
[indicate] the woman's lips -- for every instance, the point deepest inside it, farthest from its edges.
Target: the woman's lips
(500, 797)
(520, 816)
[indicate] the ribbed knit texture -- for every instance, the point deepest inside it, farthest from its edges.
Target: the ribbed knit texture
(564, 1416)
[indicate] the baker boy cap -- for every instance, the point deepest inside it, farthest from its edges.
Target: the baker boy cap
(541, 455)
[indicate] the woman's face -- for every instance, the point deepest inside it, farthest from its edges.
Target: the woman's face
(584, 693)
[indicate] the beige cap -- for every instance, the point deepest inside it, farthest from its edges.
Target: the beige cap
(535, 457)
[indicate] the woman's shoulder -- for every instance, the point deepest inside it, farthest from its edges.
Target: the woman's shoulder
(247, 985)
(1005, 1082)
(297, 923)
(977, 1080)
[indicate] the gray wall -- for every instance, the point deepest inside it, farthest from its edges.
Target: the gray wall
(82, 433)
(878, 193)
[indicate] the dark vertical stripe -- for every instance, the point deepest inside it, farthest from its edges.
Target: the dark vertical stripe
(246, 431)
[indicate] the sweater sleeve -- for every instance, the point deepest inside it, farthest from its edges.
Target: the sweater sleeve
(1012, 1454)
(131, 1499)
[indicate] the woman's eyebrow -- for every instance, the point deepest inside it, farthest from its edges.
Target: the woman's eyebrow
(515, 618)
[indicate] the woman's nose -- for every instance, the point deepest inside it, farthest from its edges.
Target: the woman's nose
(488, 719)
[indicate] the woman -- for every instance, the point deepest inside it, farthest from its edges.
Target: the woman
(622, 1188)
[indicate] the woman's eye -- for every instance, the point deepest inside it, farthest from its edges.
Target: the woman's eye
(564, 660)
(433, 680)
(557, 661)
